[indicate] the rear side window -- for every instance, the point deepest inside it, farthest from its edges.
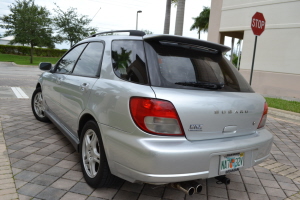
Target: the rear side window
(176, 65)
(89, 61)
(128, 60)
(66, 64)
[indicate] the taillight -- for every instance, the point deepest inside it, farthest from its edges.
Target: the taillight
(155, 116)
(263, 117)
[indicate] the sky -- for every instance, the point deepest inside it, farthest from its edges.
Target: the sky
(121, 15)
(110, 15)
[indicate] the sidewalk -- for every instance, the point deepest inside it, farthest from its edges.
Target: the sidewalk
(44, 165)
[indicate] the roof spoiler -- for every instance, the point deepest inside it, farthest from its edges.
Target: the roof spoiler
(175, 38)
(131, 33)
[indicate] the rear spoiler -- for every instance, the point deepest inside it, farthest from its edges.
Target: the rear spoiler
(187, 40)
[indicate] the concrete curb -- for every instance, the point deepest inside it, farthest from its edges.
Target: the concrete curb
(23, 65)
(7, 183)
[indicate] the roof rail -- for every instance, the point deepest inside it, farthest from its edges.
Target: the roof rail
(131, 33)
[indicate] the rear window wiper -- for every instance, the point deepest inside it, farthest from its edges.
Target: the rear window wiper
(208, 85)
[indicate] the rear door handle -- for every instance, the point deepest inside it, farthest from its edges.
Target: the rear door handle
(83, 86)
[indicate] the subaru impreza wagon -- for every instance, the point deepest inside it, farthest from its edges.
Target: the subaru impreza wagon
(153, 109)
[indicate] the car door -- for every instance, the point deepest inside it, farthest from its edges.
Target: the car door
(52, 87)
(76, 86)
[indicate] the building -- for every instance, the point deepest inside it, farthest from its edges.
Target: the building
(277, 60)
(6, 40)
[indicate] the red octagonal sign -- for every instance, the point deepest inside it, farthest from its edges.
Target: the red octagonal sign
(258, 23)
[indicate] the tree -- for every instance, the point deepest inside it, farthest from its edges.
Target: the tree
(179, 17)
(235, 60)
(29, 23)
(71, 26)
(121, 60)
(202, 21)
(168, 15)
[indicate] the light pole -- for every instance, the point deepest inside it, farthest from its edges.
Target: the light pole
(137, 17)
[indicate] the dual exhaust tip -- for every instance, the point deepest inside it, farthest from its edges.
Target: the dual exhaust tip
(189, 187)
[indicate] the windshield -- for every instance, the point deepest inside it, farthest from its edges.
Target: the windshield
(176, 65)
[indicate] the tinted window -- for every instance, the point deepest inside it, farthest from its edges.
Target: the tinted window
(128, 59)
(66, 64)
(89, 61)
(188, 66)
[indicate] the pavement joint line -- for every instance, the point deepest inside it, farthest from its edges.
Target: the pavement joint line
(19, 93)
(294, 197)
(10, 192)
(282, 169)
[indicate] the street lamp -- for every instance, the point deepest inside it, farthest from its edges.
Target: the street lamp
(137, 12)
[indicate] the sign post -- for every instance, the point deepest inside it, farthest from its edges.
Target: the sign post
(258, 24)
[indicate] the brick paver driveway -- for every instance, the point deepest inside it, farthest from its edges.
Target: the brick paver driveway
(46, 166)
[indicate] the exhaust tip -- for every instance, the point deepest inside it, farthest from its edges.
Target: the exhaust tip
(191, 191)
(198, 188)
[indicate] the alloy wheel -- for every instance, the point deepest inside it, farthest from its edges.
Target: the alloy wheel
(38, 105)
(91, 153)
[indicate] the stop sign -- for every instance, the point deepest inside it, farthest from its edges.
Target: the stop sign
(258, 23)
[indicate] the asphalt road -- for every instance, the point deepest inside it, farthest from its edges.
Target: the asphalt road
(12, 75)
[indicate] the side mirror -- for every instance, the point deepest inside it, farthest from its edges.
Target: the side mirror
(45, 66)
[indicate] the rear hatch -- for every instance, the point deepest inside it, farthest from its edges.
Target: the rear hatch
(211, 97)
(212, 114)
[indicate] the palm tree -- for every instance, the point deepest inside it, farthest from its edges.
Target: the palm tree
(239, 43)
(202, 21)
(121, 60)
(168, 15)
(179, 17)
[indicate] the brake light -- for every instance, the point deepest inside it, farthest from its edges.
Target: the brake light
(264, 117)
(155, 116)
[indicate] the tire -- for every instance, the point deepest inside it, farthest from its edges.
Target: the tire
(93, 160)
(37, 105)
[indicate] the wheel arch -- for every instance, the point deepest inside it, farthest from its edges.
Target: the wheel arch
(83, 119)
(38, 85)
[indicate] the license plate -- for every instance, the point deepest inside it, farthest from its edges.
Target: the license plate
(231, 162)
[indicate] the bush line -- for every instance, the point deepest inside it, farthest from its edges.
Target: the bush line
(25, 51)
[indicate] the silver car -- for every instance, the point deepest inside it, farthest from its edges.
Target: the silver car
(153, 109)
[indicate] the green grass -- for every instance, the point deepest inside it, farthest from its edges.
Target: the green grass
(25, 60)
(293, 106)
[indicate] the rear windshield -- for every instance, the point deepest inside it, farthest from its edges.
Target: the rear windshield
(185, 66)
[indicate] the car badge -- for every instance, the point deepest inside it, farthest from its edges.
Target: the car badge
(195, 127)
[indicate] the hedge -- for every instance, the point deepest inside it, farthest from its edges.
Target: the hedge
(23, 50)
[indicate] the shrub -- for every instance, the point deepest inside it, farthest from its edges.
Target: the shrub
(23, 50)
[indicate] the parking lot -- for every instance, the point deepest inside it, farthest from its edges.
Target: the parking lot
(44, 165)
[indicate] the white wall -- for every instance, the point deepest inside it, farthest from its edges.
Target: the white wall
(4, 42)
(278, 48)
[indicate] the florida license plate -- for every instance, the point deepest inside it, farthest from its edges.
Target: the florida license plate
(231, 162)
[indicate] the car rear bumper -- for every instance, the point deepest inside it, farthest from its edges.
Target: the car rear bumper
(159, 160)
